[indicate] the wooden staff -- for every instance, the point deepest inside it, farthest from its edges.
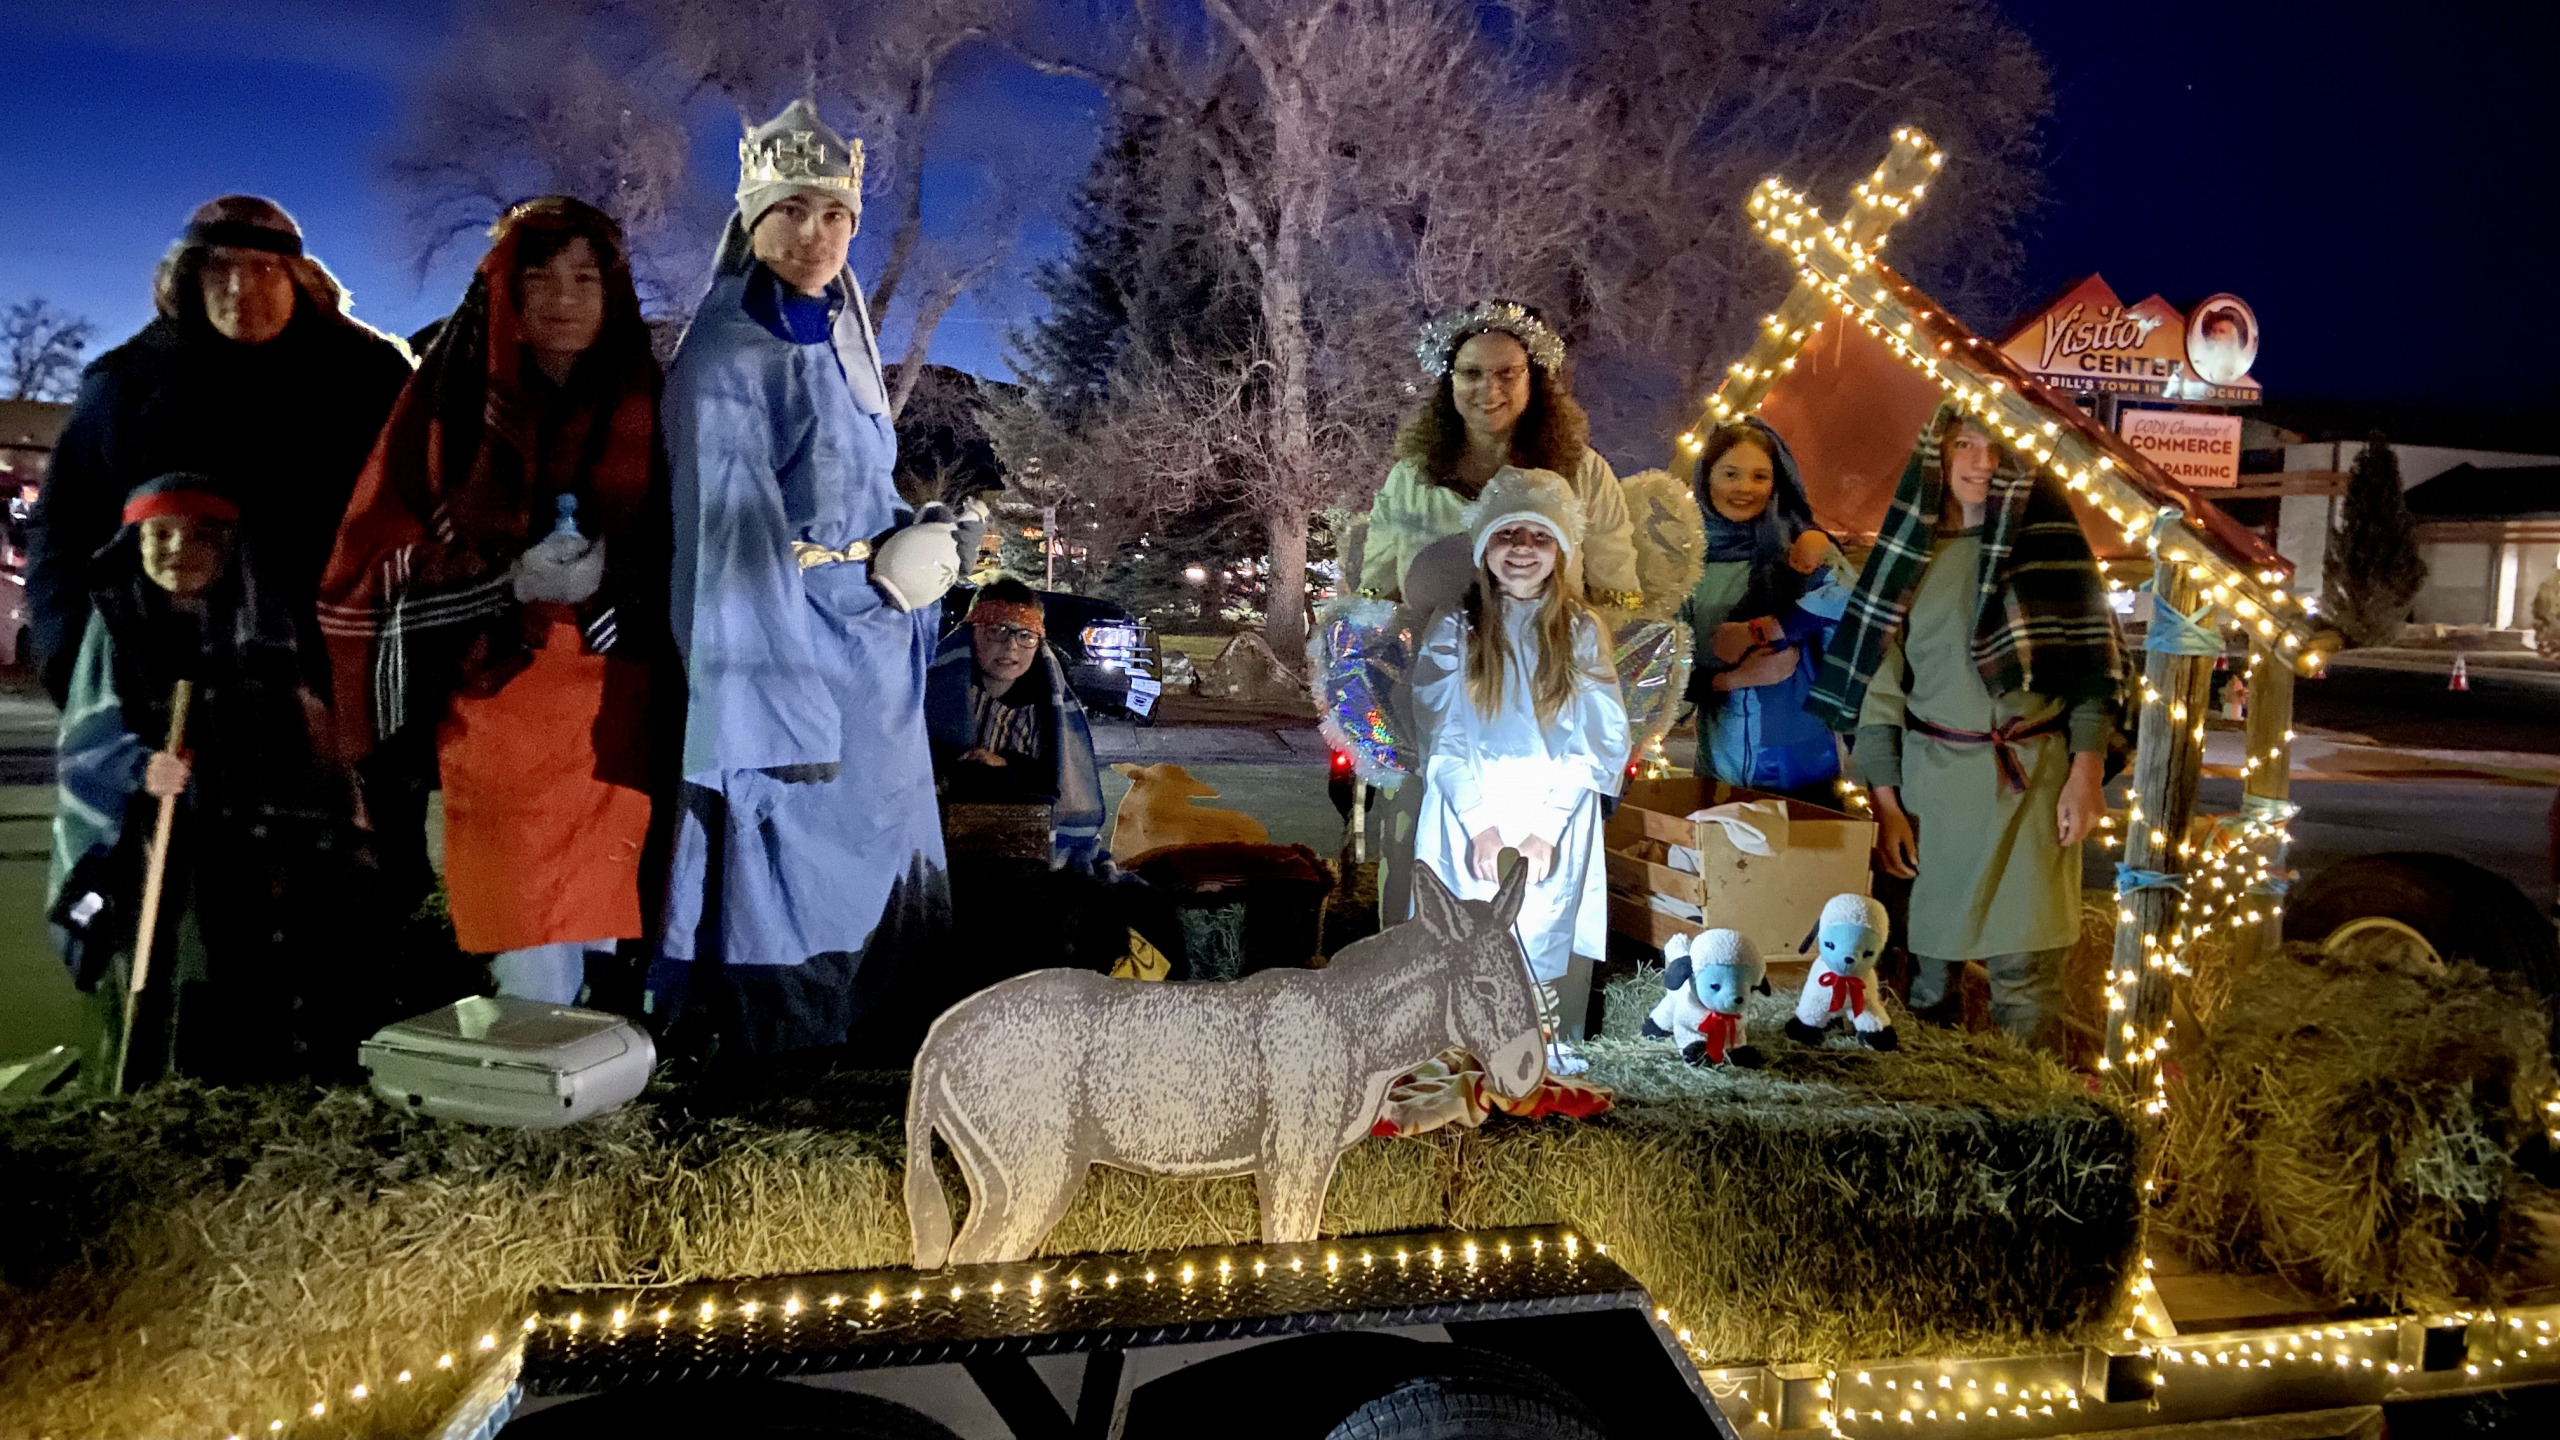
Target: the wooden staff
(146, 930)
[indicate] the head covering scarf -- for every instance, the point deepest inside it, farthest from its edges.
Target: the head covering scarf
(1765, 538)
(235, 626)
(245, 222)
(2041, 620)
(417, 599)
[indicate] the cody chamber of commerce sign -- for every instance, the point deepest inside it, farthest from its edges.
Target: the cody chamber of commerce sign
(2088, 340)
(2200, 450)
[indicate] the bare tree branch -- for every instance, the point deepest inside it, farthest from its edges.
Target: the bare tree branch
(43, 343)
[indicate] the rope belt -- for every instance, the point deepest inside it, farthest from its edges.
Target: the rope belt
(811, 554)
(2003, 741)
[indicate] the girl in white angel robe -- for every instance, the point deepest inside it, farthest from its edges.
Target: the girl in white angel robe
(1525, 733)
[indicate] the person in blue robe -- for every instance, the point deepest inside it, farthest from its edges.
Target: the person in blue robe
(807, 879)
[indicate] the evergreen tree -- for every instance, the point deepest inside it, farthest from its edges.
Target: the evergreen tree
(1145, 277)
(1145, 281)
(2372, 569)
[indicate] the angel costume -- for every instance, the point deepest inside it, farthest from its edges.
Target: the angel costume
(1512, 773)
(1415, 547)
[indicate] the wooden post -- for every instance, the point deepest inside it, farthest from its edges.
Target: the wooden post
(2167, 765)
(2267, 782)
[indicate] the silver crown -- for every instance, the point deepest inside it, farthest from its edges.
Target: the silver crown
(797, 148)
(1438, 347)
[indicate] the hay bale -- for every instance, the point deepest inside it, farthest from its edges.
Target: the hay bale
(200, 1262)
(1963, 1195)
(2351, 1123)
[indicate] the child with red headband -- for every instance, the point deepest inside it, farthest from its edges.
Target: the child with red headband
(264, 935)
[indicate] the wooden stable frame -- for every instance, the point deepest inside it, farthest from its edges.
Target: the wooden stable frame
(2227, 880)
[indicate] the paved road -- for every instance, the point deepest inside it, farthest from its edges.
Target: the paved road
(2401, 701)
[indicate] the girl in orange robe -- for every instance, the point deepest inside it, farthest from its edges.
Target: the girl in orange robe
(500, 577)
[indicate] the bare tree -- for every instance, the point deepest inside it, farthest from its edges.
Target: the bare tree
(1367, 158)
(1697, 101)
(1012, 187)
(591, 98)
(44, 343)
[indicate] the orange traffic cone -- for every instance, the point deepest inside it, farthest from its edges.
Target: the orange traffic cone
(2461, 676)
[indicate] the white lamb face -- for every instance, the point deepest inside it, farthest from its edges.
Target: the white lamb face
(1720, 987)
(1851, 949)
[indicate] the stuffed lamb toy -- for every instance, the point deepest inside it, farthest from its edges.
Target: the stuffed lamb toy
(1702, 992)
(1849, 936)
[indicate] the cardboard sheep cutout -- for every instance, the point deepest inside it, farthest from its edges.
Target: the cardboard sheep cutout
(1032, 1080)
(1157, 814)
(1703, 990)
(1850, 936)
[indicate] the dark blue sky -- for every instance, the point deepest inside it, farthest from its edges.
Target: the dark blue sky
(2370, 177)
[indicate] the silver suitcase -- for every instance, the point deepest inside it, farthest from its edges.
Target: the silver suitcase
(497, 1060)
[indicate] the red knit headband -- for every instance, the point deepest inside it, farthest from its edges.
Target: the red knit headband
(203, 504)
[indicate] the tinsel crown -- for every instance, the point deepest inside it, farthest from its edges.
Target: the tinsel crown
(1438, 347)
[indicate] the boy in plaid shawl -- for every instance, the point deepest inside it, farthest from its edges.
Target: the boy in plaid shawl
(1978, 666)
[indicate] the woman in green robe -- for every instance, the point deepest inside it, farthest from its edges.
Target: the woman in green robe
(1978, 666)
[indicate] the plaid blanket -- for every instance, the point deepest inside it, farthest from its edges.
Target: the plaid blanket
(2041, 621)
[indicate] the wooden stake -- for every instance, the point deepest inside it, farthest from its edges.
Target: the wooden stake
(2269, 782)
(147, 929)
(2167, 765)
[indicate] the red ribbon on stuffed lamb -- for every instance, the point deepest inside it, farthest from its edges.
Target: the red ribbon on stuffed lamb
(1849, 988)
(1719, 1030)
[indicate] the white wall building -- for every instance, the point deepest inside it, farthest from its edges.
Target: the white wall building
(2480, 571)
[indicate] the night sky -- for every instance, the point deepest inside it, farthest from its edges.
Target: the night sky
(2372, 178)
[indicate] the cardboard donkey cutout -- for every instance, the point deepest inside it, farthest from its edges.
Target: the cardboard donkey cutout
(1274, 1076)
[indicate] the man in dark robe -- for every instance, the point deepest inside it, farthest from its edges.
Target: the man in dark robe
(254, 374)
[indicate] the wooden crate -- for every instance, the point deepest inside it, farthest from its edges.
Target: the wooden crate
(995, 832)
(1774, 899)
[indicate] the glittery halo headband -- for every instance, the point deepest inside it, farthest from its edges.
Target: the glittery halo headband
(1438, 347)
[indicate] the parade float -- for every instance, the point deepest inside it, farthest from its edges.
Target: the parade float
(1954, 1237)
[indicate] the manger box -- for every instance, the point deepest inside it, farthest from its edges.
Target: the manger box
(1773, 899)
(996, 832)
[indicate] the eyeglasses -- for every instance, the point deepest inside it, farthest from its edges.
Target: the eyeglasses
(1013, 635)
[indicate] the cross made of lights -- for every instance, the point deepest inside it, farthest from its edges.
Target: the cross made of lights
(1839, 278)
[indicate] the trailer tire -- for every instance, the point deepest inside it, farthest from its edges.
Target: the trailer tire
(1463, 1407)
(732, 1409)
(2464, 911)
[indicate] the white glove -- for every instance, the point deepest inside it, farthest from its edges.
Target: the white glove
(563, 569)
(916, 565)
